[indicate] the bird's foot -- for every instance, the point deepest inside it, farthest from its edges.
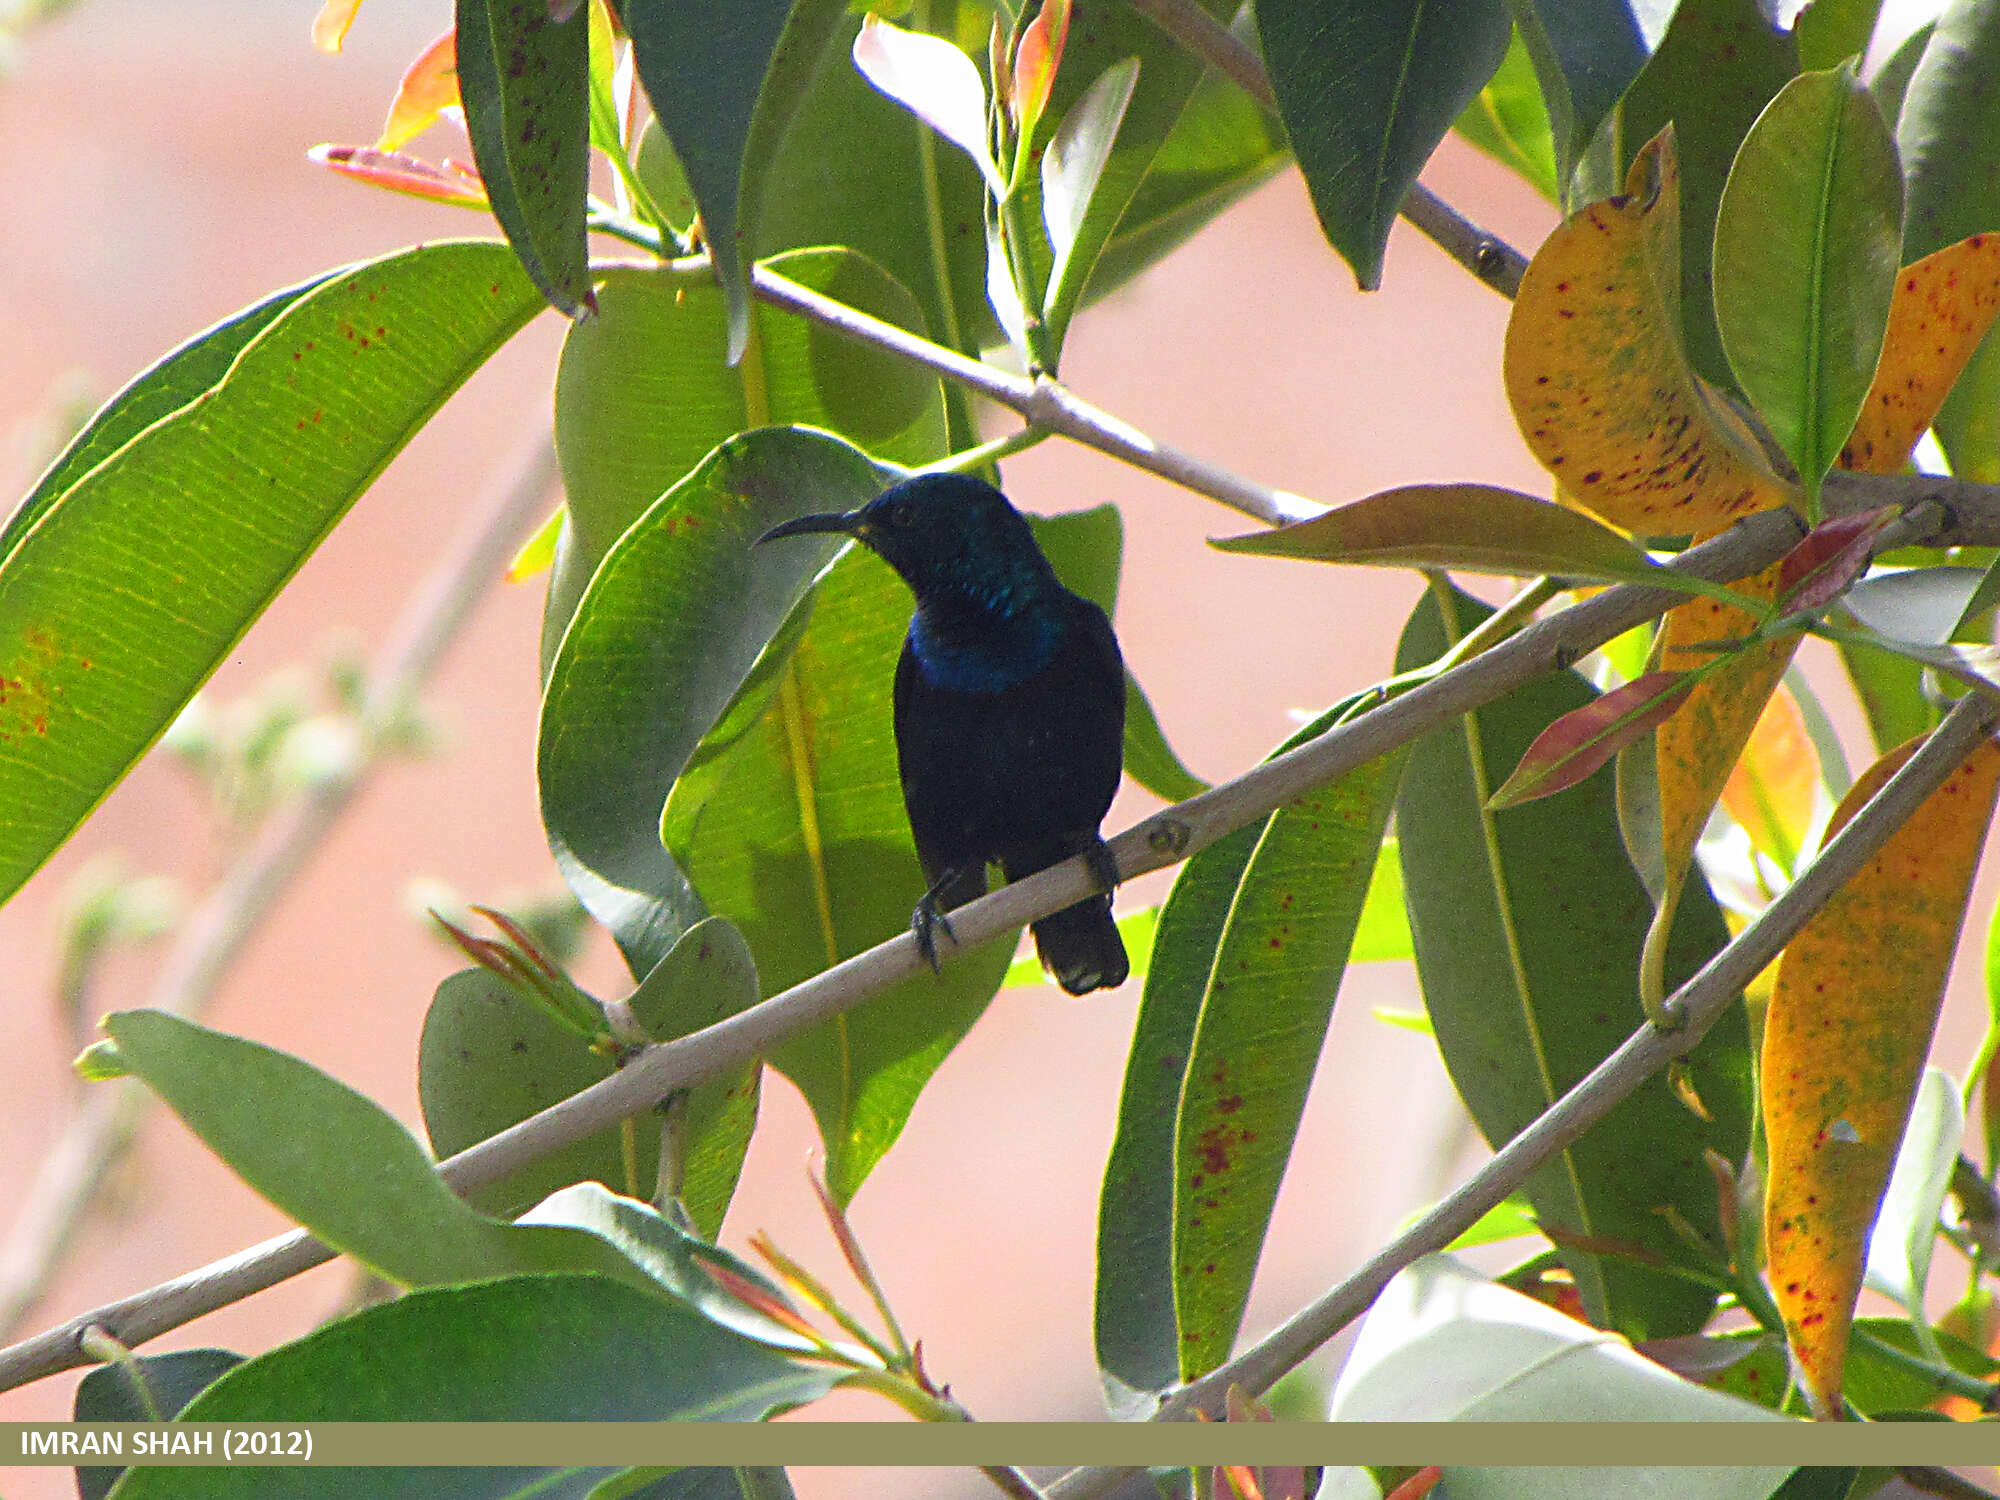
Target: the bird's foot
(1103, 864)
(929, 919)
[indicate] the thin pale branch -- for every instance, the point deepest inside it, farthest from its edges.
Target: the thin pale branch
(1486, 256)
(95, 1138)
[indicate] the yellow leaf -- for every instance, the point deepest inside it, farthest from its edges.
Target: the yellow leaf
(330, 25)
(538, 552)
(429, 87)
(1845, 1039)
(1775, 787)
(1943, 306)
(1600, 385)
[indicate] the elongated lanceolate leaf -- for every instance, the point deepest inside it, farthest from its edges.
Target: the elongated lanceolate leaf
(188, 530)
(1845, 1038)
(1906, 1230)
(1367, 92)
(1478, 527)
(1523, 1010)
(1071, 169)
(1808, 239)
(428, 88)
(1509, 122)
(524, 79)
(1586, 53)
(1585, 738)
(148, 1388)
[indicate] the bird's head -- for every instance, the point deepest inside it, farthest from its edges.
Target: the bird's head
(943, 533)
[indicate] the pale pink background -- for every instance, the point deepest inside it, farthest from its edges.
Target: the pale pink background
(153, 179)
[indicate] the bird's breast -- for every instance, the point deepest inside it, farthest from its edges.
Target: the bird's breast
(983, 656)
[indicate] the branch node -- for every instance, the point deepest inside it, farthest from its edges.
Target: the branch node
(1168, 835)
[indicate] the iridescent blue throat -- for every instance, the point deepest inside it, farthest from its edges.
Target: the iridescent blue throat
(964, 648)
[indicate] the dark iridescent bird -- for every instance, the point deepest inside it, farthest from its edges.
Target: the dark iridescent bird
(1010, 710)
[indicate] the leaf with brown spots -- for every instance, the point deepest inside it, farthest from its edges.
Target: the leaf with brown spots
(1600, 384)
(1942, 308)
(1266, 981)
(1845, 1039)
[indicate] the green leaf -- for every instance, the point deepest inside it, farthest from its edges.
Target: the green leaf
(1585, 54)
(524, 80)
(1509, 122)
(1478, 527)
(1906, 1226)
(171, 383)
(190, 528)
(669, 628)
(1891, 82)
(704, 68)
(790, 821)
(490, 1058)
(525, 1349)
(1266, 1002)
(1832, 31)
(1072, 167)
(1524, 1009)
(336, 1162)
(1807, 239)
(1086, 548)
(1510, 1219)
(145, 1388)
(643, 394)
(1367, 92)
(1718, 65)
(1138, 1347)
(1892, 693)
(1383, 934)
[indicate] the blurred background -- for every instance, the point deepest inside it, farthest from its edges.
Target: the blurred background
(154, 179)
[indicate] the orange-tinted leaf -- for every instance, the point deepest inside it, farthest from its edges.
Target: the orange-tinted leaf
(1828, 558)
(1585, 738)
(1479, 527)
(1036, 61)
(1774, 789)
(450, 183)
(330, 25)
(429, 87)
(1417, 1485)
(1943, 306)
(1845, 1039)
(1598, 380)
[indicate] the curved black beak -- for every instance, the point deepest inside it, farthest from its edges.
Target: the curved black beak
(840, 522)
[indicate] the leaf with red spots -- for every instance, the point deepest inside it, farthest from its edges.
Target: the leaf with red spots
(525, 82)
(1585, 738)
(189, 529)
(1529, 925)
(1845, 1038)
(1600, 384)
(1267, 989)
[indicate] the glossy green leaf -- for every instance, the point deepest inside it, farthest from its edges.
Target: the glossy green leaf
(174, 380)
(1138, 1346)
(524, 81)
(1891, 82)
(1267, 1000)
(1718, 65)
(1807, 244)
(1585, 54)
(1509, 122)
(669, 628)
(147, 1388)
(525, 1349)
(490, 1058)
(643, 393)
(1478, 527)
(704, 68)
(1367, 92)
(1086, 548)
(1906, 1226)
(189, 528)
(336, 1162)
(1877, 1381)
(1832, 31)
(1892, 693)
(1523, 1009)
(1071, 169)
(790, 821)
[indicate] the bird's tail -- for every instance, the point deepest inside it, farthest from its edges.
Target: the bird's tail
(1081, 947)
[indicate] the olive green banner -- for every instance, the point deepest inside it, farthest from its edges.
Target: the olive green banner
(1024, 1444)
